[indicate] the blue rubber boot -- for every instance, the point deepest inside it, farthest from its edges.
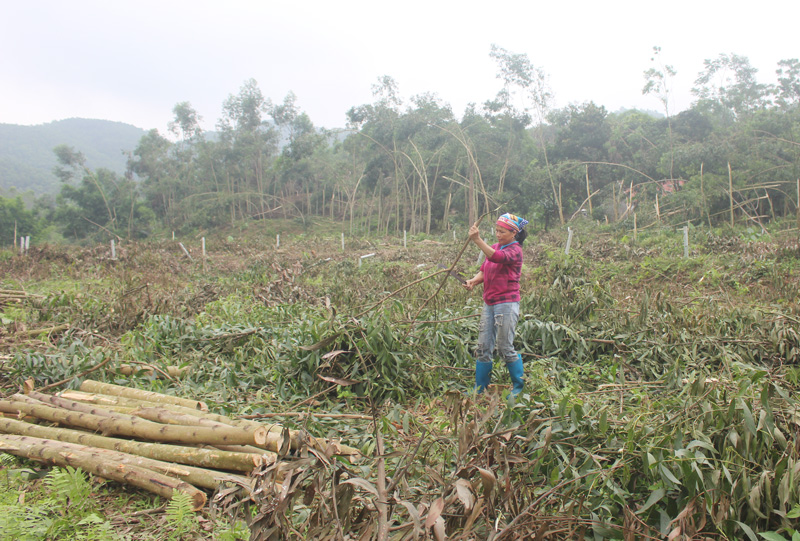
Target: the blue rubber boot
(516, 372)
(483, 375)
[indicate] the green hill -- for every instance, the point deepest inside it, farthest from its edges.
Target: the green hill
(26, 152)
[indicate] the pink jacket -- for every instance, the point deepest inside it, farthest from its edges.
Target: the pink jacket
(501, 274)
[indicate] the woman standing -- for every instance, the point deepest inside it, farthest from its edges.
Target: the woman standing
(499, 275)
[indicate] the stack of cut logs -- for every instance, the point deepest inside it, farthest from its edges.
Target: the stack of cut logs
(12, 296)
(153, 441)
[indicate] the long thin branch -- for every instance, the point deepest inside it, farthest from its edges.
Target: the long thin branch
(452, 267)
(395, 292)
(107, 230)
(382, 501)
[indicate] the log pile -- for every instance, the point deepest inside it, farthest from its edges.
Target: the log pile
(14, 296)
(152, 441)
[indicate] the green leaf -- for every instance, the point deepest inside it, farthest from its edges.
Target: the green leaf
(604, 422)
(704, 445)
(747, 530)
(655, 497)
(772, 536)
(668, 474)
(749, 422)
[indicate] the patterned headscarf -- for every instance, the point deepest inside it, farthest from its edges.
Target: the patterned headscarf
(512, 222)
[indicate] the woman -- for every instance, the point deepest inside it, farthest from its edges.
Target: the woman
(499, 275)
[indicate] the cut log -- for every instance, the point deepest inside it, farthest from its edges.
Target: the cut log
(193, 456)
(148, 370)
(274, 439)
(132, 370)
(198, 477)
(170, 417)
(92, 386)
(141, 428)
(70, 405)
(5, 407)
(244, 449)
(107, 400)
(174, 414)
(143, 478)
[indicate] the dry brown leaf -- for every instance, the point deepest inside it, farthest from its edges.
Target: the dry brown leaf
(489, 481)
(333, 354)
(338, 381)
(414, 514)
(438, 530)
(434, 512)
(465, 495)
(363, 483)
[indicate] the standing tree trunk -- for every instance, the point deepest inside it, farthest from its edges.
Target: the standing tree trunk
(730, 190)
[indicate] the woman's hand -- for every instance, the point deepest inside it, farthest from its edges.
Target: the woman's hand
(474, 233)
(475, 280)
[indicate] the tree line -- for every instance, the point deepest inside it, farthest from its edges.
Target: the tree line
(414, 166)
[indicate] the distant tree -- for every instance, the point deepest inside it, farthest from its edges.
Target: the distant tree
(16, 218)
(249, 144)
(297, 171)
(375, 162)
(659, 82)
(578, 149)
(186, 123)
(517, 71)
(151, 161)
(97, 202)
(728, 84)
(787, 92)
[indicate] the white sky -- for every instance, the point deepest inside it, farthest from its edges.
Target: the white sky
(132, 61)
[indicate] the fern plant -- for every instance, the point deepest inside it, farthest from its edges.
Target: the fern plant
(60, 508)
(69, 486)
(180, 516)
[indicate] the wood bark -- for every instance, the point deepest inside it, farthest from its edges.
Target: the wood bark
(192, 456)
(142, 428)
(198, 477)
(92, 386)
(161, 413)
(274, 438)
(110, 400)
(143, 478)
(34, 397)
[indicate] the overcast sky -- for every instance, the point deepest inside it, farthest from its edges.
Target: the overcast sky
(132, 61)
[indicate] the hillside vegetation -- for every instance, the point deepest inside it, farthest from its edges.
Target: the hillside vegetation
(660, 389)
(27, 159)
(413, 165)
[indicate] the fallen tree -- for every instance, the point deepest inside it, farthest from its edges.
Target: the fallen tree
(140, 428)
(92, 386)
(198, 477)
(157, 483)
(162, 444)
(192, 456)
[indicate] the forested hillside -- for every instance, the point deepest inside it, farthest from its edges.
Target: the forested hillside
(26, 152)
(413, 165)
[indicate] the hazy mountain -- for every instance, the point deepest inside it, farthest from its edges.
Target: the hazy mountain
(26, 152)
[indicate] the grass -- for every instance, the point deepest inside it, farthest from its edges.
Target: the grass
(658, 386)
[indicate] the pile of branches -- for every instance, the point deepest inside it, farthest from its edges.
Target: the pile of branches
(155, 442)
